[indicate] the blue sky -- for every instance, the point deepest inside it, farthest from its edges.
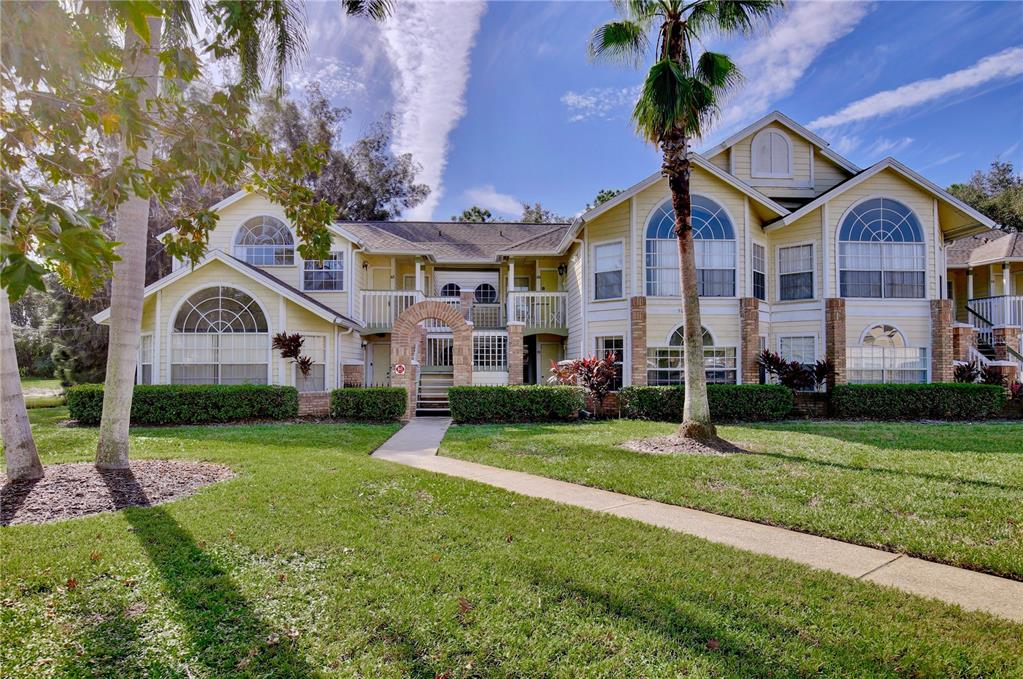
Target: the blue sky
(499, 103)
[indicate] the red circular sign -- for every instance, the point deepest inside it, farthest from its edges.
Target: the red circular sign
(399, 369)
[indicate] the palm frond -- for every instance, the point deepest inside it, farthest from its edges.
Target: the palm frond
(717, 71)
(729, 16)
(672, 102)
(624, 41)
(377, 10)
(637, 10)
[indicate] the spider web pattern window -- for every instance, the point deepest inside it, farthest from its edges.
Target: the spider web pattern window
(265, 241)
(881, 251)
(666, 365)
(714, 238)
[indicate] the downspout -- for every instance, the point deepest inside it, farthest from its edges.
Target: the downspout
(584, 298)
(351, 285)
(339, 381)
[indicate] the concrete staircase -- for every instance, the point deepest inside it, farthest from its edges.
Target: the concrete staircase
(432, 397)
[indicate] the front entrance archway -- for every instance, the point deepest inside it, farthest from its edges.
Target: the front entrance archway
(406, 333)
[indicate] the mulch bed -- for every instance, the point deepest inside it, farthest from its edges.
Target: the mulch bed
(675, 445)
(68, 491)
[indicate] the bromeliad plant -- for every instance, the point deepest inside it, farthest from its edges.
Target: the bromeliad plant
(596, 375)
(795, 375)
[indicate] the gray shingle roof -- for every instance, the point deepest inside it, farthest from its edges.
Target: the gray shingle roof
(458, 241)
(991, 246)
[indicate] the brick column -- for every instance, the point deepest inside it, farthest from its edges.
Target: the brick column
(1007, 370)
(1005, 337)
(749, 338)
(515, 352)
(835, 339)
(637, 341)
(964, 338)
(465, 300)
(353, 374)
(941, 340)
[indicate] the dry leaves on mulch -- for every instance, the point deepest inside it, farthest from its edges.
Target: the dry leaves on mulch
(675, 445)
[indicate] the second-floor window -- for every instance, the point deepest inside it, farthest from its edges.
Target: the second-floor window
(324, 275)
(881, 251)
(265, 241)
(485, 293)
(451, 290)
(795, 272)
(759, 272)
(607, 271)
(714, 238)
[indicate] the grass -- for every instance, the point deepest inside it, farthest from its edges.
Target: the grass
(945, 492)
(317, 560)
(41, 392)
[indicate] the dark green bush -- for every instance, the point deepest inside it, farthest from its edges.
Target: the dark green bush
(190, 403)
(368, 404)
(939, 401)
(515, 404)
(728, 402)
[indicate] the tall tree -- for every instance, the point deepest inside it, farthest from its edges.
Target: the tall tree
(474, 214)
(678, 101)
(997, 193)
(603, 196)
(538, 214)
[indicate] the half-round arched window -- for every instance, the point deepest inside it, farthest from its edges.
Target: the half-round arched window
(677, 338)
(884, 335)
(771, 154)
(265, 241)
(220, 336)
(715, 251)
(485, 294)
(666, 365)
(451, 290)
(881, 251)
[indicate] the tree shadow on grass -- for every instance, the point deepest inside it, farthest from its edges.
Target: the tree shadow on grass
(227, 635)
(12, 497)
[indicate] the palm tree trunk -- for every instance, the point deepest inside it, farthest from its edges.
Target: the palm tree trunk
(696, 422)
(19, 447)
(132, 220)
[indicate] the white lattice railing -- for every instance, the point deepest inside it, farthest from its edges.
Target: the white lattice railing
(488, 316)
(539, 309)
(380, 308)
(489, 351)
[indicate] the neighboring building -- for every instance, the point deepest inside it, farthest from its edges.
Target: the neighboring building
(798, 250)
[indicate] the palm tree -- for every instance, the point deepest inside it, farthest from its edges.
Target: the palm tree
(678, 101)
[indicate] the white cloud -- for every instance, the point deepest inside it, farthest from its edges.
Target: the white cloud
(846, 144)
(488, 197)
(944, 160)
(334, 77)
(429, 44)
(1009, 151)
(774, 64)
(602, 103)
(887, 147)
(1005, 64)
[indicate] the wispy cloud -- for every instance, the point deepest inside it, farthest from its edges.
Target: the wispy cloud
(603, 103)
(1007, 153)
(333, 75)
(887, 147)
(488, 197)
(774, 64)
(429, 44)
(1005, 64)
(944, 160)
(846, 144)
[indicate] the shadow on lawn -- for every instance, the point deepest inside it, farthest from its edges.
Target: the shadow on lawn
(227, 635)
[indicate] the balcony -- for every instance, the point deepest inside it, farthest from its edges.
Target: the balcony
(986, 313)
(380, 308)
(540, 311)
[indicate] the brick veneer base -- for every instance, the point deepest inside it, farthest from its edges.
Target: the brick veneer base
(835, 338)
(941, 340)
(353, 375)
(637, 340)
(314, 404)
(749, 329)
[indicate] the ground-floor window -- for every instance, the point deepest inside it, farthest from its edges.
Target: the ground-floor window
(315, 347)
(616, 344)
(489, 352)
(146, 359)
(883, 357)
(666, 365)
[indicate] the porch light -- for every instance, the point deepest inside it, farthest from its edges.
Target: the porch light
(562, 269)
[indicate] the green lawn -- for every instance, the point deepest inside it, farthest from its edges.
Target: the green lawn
(946, 492)
(319, 561)
(41, 392)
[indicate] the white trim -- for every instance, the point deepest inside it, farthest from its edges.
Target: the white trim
(152, 364)
(636, 282)
(747, 277)
(828, 255)
(593, 283)
(294, 242)
(813, 271)
(874, 324)
(667, 338)
(799, 335)
(282, 315)
(813, 183)
(302, 272)
(939, 271)
(158, 342)
(326, 360)
(752, 156)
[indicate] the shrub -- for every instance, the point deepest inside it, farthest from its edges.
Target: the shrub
(190, 403)
(369, 404)
(940, 401)
(515, 404)
(728, 402)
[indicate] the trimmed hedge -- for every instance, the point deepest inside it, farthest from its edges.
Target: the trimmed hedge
(190, 403)
(515, 404)
(938, 401)
(368, 404)
(728, 402)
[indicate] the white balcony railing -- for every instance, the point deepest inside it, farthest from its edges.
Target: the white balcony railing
(543, 310)
(380, 308)
(488, 316)
(987, 312)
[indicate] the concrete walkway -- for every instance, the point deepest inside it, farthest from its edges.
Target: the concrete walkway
(415, 445)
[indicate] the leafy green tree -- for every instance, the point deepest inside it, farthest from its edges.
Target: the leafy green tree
(997, 193)
(603, 196)
(678, 100)
(538, 214)
(474, 214)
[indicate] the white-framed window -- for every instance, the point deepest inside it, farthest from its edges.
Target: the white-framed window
(485, 293)
(220, 336)
(883, 357)
(802, 349)
(521, 284)
(759, 272)
(265, 241)
(315, 347)
(666, 365)
(795, 272)
(490, 352)
(714, 249)
(607, 344)
(771, 154)
(451, 290)
(324, 275)
(608, 261)
(881, 251)
(145, 373)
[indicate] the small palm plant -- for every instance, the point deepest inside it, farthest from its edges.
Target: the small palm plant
(678, 101)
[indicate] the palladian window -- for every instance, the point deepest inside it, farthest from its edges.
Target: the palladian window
(714, 238)
(666, 365)
(883, 356)
(265, 241)
(220, 336)
(881, 251)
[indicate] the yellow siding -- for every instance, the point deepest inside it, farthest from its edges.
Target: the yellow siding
(721, 160)
(805, 230)
(826, 173)
(742, 152)
(574, 283)
(611, 226)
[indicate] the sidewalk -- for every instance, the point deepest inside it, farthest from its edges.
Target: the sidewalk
(415, 445)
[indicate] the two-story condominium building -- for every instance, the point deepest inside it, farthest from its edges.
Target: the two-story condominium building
(798, 250)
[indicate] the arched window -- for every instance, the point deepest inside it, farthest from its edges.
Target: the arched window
(715, 251)
(220, 336)
(772, 154)
(451, 290)
(666, 365)
(485, 294)
(881, 251)
(884, 335)
(265, 241)
(883, 355)
(678, 339)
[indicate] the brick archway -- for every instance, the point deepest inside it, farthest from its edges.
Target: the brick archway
(406, 332)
